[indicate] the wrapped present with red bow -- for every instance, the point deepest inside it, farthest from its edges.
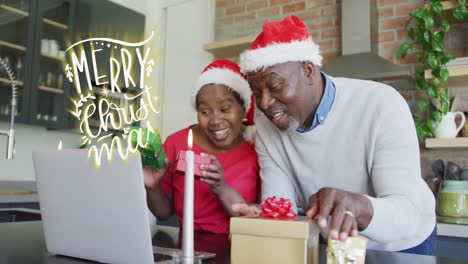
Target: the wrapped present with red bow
(278, 235)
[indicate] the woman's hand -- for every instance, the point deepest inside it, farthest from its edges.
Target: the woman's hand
(213, 174)
(153, 177)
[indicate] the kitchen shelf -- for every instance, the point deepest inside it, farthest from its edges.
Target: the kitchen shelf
(452, 230)
(25, 14)
(454, 71)
(448, 5)
(52, 57)
(12, 45)
(14, 10)
(459, 142)
(50, 89)
(55, 24)
(4, 80)
(229, 48)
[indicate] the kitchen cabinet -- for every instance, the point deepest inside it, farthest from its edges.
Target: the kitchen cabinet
(34, 37)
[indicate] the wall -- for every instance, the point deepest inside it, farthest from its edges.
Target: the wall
(235, 18)
(29, 138)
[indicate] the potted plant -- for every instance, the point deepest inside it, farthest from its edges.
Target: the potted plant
(427, 35)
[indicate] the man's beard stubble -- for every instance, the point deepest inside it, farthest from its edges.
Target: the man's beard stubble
(293, 125)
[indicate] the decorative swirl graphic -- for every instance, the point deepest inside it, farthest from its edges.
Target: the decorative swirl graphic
(116, 41)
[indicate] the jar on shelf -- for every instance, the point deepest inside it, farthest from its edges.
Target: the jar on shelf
(453, 199)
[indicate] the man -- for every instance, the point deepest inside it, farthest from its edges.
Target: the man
(344, 150)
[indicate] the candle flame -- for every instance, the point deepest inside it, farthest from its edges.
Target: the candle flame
(190, 139)
(60, 145)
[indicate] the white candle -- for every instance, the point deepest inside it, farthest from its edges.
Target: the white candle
(187, 235)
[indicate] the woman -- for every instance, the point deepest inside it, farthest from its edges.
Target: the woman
(222, 99)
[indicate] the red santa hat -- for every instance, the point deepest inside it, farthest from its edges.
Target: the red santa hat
(280, 42)
(228, 73)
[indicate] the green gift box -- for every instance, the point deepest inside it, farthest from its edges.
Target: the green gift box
(150, 146)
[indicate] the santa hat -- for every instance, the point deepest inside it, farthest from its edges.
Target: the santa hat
(228, 73)
(280, 42)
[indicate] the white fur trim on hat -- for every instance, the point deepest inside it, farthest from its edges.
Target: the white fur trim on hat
(249, 134)
(226, 77)
(276, 53)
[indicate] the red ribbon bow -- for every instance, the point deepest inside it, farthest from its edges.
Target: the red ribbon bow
(278, 208)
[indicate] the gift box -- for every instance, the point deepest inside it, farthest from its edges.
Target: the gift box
(353, 250)
(269, 240)
(198, 160)
(150, 146)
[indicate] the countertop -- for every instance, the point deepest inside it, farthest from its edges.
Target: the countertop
(23, 242)
(450, 230)
(19, 185)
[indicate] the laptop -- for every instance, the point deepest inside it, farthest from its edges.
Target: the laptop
(98, 214)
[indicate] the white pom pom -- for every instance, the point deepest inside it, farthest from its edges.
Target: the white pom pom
(249, 134)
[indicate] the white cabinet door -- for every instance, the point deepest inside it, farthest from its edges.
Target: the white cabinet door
(188, 25)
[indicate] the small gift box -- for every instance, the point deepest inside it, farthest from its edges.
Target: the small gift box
(150, 146)
(353, 250)
(198, 160)
(278, 236)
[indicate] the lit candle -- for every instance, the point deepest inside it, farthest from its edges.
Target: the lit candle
(187, 235)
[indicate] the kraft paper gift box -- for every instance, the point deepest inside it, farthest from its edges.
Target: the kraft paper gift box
(266, 240)
(198, 160)
(153, 154)
(353, 250)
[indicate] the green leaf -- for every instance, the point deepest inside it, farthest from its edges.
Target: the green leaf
(461, 2)
(446, 59)
(438, 36)
(420, 131)
(419, 13)
(430, 126)
(427, 37)
(423, 105)
(410, 32)
(444, 75)
(436, 72)
(432, 91)
(445, 25)
(404, 49)
(445, 102)
(428, 22)
(421, 83)
(431, 60)
(437, 7)
(420, 72)
(436, 81)
(459, 13)
(418, 57)
(437, 115)
(438, 47)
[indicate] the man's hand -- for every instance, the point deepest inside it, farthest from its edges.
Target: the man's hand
(153, 177)
(349, 212)
(249, 210)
